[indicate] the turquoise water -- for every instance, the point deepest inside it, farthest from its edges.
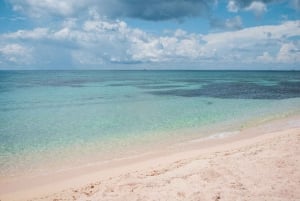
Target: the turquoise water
(58, 117)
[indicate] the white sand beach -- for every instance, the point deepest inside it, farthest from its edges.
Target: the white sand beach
(260, 163)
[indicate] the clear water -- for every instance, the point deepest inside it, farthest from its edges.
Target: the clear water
(48, 117)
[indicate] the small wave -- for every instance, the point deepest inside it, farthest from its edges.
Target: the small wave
(216, 136)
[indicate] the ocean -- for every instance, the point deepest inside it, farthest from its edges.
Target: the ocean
(61, 119)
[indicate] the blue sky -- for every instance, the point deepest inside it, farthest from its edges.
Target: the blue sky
(153, 34)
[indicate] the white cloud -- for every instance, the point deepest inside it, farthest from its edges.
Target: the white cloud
(232, 7)
(178, 46)
(99, 41)
(266, 58)
(38, 8)
(97, 38)
(12, 49)
(259, 33)
(15, 53)
(37, 33)
(289, 53)
(258, 7)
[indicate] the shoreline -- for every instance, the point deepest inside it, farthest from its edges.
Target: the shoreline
(28, 188)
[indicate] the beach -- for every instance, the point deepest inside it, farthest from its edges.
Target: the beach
(260, 163)
(165, 100)
(149, 135)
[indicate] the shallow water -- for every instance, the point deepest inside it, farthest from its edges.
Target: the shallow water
(48, 117)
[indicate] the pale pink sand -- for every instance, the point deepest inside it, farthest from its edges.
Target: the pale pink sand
(248, 167)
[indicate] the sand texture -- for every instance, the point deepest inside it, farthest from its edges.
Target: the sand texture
(264, 168)
(262, 162)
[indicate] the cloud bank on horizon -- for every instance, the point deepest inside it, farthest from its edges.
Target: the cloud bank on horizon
(135, 34)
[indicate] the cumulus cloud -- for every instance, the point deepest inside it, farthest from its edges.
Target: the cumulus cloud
(265, 58)
(15, 53)
(257, 34)
(37, 33)
(37, 8)
(177, 46)
(257, 7)
(232, 7)
(246, 3)
(100, 41)
(289, 52)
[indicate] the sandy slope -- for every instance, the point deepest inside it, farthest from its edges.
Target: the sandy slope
(264, 168)
(260, 163)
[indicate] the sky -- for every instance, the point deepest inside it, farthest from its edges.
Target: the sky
(152, 34)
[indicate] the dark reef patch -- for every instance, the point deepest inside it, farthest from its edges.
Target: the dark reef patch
(238, 90)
